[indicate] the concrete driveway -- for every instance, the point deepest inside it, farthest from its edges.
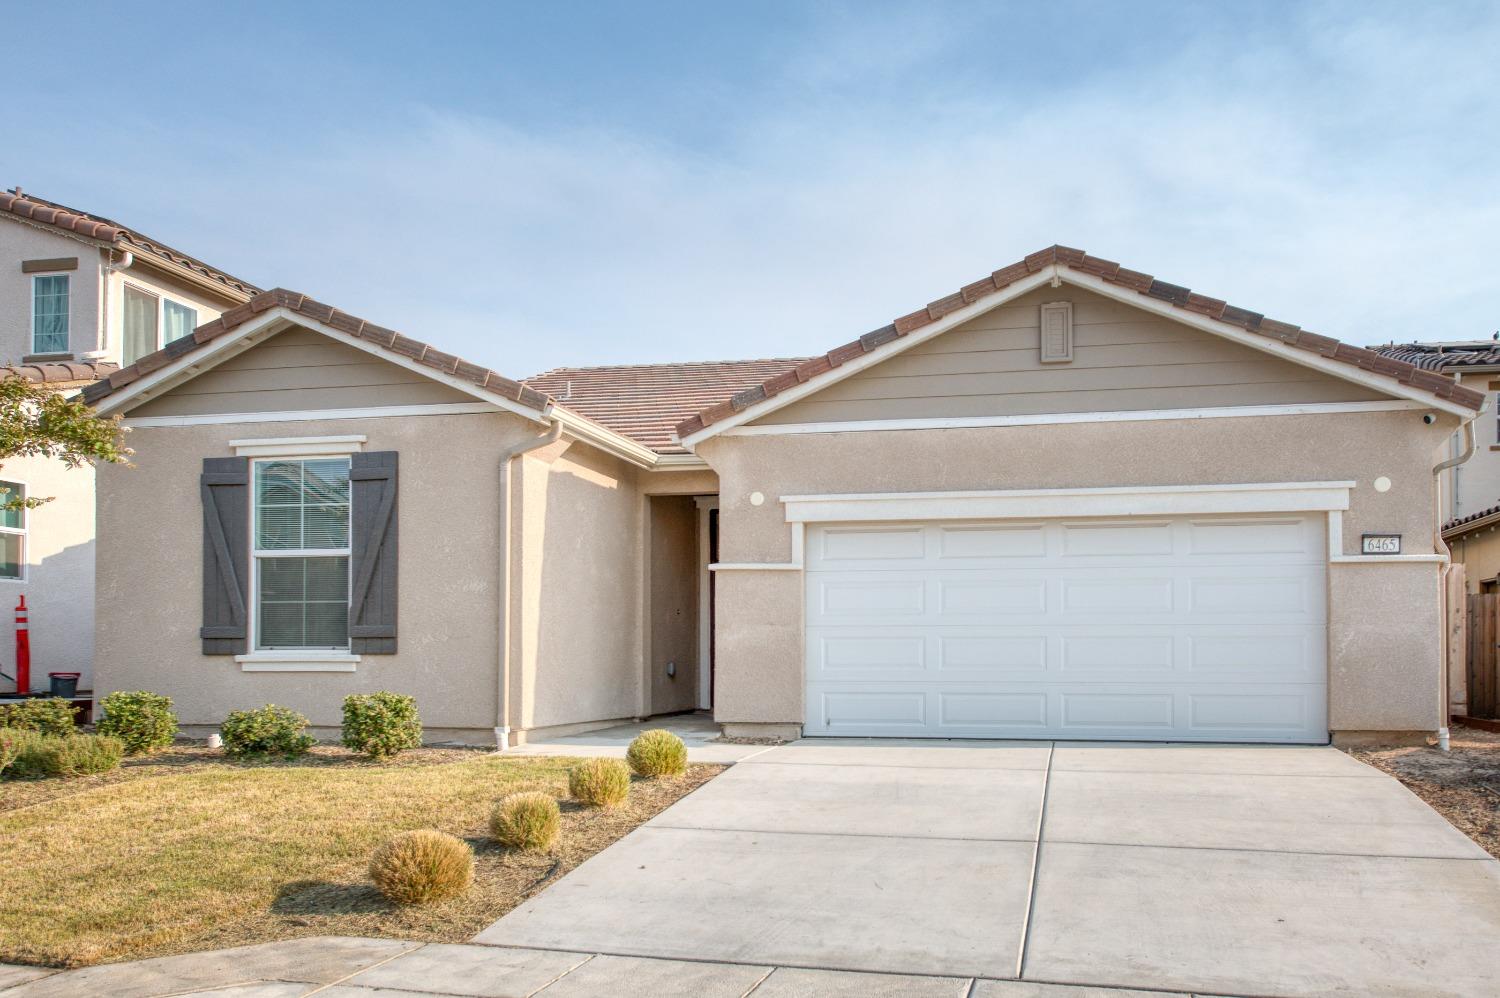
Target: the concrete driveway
(1250, 870)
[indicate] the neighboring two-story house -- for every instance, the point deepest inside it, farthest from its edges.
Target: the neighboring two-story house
(80, 295)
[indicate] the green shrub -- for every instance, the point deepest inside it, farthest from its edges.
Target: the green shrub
(528, 820)
(49, 715)
(66, 755)
(269, 730)
(143, 721)
(10, 746)
(422, 866)
(657, 753)
(601, 782)
(381, 724)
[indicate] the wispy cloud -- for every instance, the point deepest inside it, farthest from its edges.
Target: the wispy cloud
(1335, 172)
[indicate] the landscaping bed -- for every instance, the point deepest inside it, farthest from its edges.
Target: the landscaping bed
(188, 850)
(1463, 784)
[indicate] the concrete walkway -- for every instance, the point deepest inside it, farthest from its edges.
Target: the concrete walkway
(876, 869)
(332, 967)
(1260, 870)
(697, 731)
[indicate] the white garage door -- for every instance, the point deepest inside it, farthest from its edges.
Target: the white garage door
(1194, 628)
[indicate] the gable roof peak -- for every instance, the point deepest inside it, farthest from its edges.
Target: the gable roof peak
(1068, 258)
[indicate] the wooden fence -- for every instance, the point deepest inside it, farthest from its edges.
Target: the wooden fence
(1483, 632)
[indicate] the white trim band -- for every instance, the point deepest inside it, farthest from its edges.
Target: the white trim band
(1270, 497)
(1047, 419)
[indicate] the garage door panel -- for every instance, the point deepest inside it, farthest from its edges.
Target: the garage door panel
(962, 544)
(998, 631)
(991, 656)
(858, 598)
(1115, 540)
(1262, 539)
(863, 545)
(1000, 714)
(961, 596)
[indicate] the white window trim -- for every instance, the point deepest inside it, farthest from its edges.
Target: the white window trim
(24, 531)
(161, 313)
(31, 326)
(295, 447)
(291, 659)
(297, 661)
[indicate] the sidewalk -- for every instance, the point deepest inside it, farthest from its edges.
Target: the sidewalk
(337, 967)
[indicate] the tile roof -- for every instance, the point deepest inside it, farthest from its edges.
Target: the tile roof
(1444, 356)
(29, 206)
(62, 374)
(1404, 371)
(295, 301)
(1483, 514)
(645, 401)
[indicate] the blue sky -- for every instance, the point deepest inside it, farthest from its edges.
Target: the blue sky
(532, 185)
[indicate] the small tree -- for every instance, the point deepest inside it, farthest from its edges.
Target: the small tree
(37, 421)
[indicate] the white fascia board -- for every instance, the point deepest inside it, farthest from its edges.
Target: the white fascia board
(295, 415)
(581, 428)
(679, 462)
(228, 345)
(881, 353)
(1044, 419)
(1265, 344)
(1254, 497)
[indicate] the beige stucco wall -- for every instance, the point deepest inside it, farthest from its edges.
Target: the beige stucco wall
(1389, 681)
(150, 573)
(59, 574)
(576, 608)
(1480, 554)
(576, 596)
(19, 242)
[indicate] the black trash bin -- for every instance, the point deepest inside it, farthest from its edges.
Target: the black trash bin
(64, 684)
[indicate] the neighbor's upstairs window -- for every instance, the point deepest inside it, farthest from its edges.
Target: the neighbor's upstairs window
(301, 543)
(49, 313)
(151, 322)
(140, 323)
(12, 532)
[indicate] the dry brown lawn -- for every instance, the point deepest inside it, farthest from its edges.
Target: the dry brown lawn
(188, 851)
(1463, 784)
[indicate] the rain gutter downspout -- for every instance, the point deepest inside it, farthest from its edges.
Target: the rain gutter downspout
(502, 700)
(1441, 547)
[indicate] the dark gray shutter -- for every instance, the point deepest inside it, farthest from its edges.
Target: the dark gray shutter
(372, 541)
(225, 487)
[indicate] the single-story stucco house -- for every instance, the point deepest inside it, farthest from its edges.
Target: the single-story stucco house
(1066, 501)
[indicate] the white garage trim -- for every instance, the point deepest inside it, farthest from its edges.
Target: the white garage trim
(1257, 497)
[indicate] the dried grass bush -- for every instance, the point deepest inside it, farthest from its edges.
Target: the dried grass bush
(657, 753)
(600, 782)
(421, 867)
(529, 820)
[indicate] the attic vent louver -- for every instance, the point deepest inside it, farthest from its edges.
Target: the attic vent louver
(1057, 332)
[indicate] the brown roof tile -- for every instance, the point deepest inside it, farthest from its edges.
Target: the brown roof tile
(1181, 297)
(29, 206)
(645, 401)
(299, 303)
(1444, 356)
(62, 374)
